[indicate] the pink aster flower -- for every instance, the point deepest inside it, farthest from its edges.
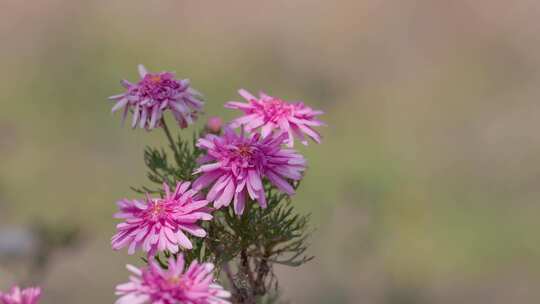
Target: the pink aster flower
(154, 94)
(236, 165)
(271, 113)
(157, 224)
(18, 296)
(155, 285)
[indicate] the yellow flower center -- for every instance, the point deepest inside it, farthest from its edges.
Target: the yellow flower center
(157, 210)
(155, 78)
(244, 151)
(174, 280)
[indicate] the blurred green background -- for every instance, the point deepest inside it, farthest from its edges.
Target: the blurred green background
(425, 189)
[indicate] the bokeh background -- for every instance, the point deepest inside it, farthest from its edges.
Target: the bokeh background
(425, 190)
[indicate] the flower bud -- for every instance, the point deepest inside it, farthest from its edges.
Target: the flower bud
(214, 124)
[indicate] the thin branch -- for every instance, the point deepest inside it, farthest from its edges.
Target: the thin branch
(169, 137)
(230, 276)
(246, 269)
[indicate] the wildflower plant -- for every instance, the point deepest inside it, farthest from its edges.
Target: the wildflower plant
(217, 214)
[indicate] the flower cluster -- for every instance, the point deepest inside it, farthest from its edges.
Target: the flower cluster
(155, 93)
(153, 284)
(238, 167)
(158, 224)
(234, 167)
(21, 296)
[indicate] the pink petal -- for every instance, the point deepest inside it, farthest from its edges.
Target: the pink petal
(121, 103)
(226, 196)
(183, 240)
(194, 230)
(255, 180)
(237, 105)
(247, 95)
(142, 70)
(279, 182)
(239, 202)
(205, 179)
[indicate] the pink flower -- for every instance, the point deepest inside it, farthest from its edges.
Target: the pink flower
(271, 113)
(18, 296)
(236, 165)
(157, 224)
(155, 285)
(154, 94)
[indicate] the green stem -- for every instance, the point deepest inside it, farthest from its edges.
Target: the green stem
(169, 136)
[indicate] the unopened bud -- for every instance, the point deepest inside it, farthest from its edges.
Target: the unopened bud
(214, 124)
